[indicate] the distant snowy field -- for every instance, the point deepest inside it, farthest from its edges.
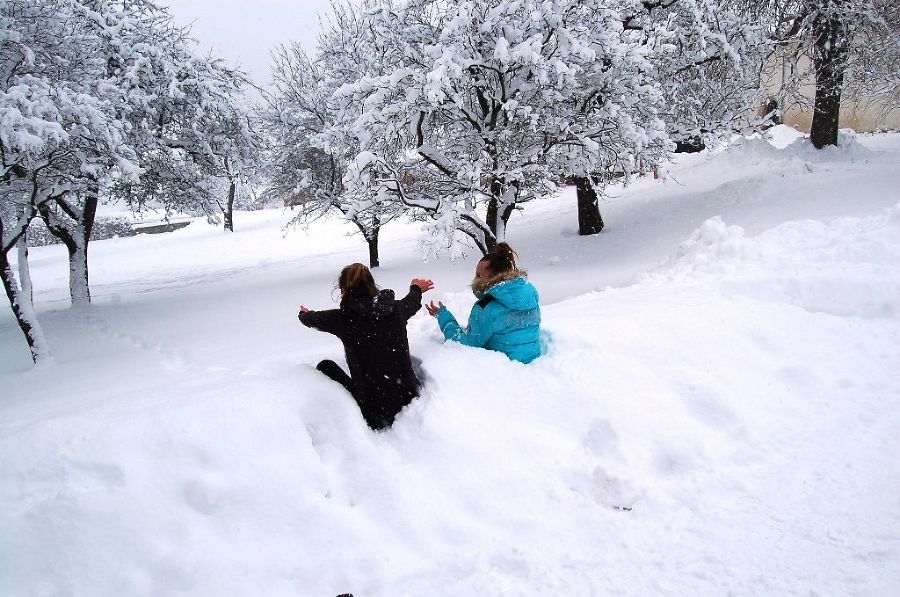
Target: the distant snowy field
(718, 411)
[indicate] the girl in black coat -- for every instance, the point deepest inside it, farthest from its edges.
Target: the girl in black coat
(371, 324)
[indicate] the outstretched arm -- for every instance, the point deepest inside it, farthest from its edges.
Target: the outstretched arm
(477, 334)
(412, 302)
(329, 321)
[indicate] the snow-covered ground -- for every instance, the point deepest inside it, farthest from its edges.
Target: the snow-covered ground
(718, 411)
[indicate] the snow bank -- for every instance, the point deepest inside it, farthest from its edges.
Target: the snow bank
(796, 157)
(783, 135)
(848, 267)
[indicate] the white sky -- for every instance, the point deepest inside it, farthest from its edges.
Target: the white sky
(244, 32)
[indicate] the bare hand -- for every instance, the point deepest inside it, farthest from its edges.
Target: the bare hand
(303, 309)
(423, 284)
(433, 309)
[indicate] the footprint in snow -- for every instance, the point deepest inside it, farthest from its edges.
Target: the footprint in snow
(614, 492)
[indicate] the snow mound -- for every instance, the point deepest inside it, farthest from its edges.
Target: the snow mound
(783, 135)
(846, 267)
(702, 250)
(784, 156)
(848, 149)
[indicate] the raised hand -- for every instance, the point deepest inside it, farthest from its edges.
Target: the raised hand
(423, 284)
(303, 309)
(433, 309)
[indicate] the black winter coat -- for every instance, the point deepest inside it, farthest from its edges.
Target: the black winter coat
(373, 331)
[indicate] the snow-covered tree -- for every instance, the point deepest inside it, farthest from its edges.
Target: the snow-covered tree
(60, 134)
(180, 118)
(711, 73)
(15, 215)
(297, 115)
(194, 136)
(312, 146)
(239, 152)
(853, 47)
(222, 140)
(705, 59)
(875, 71)
(491, 103)
(95, 94)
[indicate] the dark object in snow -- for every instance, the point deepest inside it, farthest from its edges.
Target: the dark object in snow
(689, 145)
(772, 113)
(589, 219)
(373, 332)
(333, 371)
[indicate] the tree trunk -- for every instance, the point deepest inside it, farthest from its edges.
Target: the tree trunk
(24, 311)
(372, 240)
(370, 233)
(24, 273)
(830, 61)
(490, 239)
(229, 206)
(508, 208)
(79, 286)
(589, 219)
(499, 211)
(76, 243)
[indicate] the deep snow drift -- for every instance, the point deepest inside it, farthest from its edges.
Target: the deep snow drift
(717, 412)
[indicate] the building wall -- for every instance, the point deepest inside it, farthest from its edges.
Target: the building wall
(872, 116)
(865, 116)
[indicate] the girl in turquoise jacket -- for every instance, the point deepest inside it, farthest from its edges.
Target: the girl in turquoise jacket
(507, 316)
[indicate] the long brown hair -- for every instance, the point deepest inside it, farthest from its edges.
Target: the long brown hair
(501, 260)
(356, 281)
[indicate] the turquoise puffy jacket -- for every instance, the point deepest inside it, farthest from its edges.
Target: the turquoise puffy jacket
(506, 318)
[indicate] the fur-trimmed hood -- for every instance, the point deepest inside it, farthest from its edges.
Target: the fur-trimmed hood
(511, 289)
(480, 286)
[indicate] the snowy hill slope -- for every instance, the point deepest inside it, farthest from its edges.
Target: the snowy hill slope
(717, 411)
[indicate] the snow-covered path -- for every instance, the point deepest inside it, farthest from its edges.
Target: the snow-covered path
(717, 412)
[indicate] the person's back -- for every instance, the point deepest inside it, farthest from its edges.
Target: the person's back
(377, 351)
(512, 311)
(371, 324)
